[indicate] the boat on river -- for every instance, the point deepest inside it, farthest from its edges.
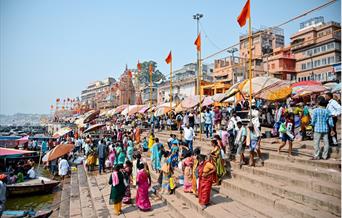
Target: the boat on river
(40, 185)
(26, 213)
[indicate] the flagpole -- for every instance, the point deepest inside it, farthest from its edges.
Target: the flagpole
(199, 87)
(171, 99)
(250, 61)
(150, 89)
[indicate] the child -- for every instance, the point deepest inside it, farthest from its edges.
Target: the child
(172, 185)
(288, 134)
(144, 145)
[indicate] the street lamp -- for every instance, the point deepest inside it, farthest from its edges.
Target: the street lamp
(232, 51)
(197, 17)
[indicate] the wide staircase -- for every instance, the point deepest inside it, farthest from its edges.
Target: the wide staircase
(284, 187)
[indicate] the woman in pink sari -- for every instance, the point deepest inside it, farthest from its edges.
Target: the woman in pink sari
(188, 163)
(144, 182)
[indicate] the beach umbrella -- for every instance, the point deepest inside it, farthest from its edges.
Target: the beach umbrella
(167, 104)
(218, 97)
(191, 101)
(179, 108)
(207, 101)
(336, 88)
(258, 84)
(308, 89)
(132, 109)
(58, 151)
(144, 109)
(103, 112)
(61, 132)
(94, 127)
(161, 111)
(306, 83)
(90, 115)
(278, 91)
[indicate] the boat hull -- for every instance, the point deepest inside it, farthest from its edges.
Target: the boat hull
(38, 186)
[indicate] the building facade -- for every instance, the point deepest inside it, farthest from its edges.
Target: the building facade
(317, 48)
(90, 94)
(263, 43)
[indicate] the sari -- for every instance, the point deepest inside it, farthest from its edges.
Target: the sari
(220, 170)
(127, 176)
(116, 191)
(150, 141)
(174, 156)
(111, 157)
(166, 177)
(120, 156)
(194, 176)
(142, 200)
(137, 135)
(130, 151)
(205, 182)
(155, 157)
(188, 162)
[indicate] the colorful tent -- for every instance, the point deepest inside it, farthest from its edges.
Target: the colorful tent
(58, 151)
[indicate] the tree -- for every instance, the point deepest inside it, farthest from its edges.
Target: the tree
(144, 75)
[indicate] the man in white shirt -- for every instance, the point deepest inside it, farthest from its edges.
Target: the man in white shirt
(31, 173)
(189, 135)
(63, 167)
(335, 110)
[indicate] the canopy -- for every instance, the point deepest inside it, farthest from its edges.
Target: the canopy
(8, 152)
(278, 91)
(218, 97)
(161, 111)
(23, 140)
(144, 109)
(336, 88)
(258, 84)
(191, 101)
(61, 132)
(94, 127)
(207, 101)
(131, 109)
(58, 151)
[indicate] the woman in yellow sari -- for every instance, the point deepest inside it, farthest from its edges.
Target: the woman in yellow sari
(217, 159)
(150, 141)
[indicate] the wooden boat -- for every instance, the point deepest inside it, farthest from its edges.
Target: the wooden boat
(26, 213)
(40, 185)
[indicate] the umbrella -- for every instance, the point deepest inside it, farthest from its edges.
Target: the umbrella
(306, 83)
(161, 111)
(89, 116)
(191, 101)
(218, 97)
(143, 109)
(258, 84)
(8, 152)
(23, 140)
(61, 132)
(336, 88)
(179, 108)
(58, 151)
(94, 127)
(207, 101)
(280, 90)
(167, 104)
(308, 88)
(132, 109)
(103, 112)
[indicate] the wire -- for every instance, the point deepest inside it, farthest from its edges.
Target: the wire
(206, 36)
(277, 26)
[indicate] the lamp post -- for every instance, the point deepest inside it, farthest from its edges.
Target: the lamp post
(197, 17)
(232, 51)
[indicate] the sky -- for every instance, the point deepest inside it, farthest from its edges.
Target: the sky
(54, 48)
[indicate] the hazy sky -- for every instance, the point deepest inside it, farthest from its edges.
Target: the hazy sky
(52, 49)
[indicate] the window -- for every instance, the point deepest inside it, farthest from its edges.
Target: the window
(323, 48)
(324, 61)
(303, 66)
(331, 60)
(330, 46)
(317, 63)
(309, 65)
(338, 58)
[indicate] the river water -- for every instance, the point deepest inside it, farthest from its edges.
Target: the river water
(43, 201)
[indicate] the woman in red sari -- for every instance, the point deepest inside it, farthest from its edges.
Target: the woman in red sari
(206, 173)
(144, 182)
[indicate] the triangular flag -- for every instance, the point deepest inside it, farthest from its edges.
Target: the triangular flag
(244, 15)
(169, 58)
(139, 66)
(198, 42)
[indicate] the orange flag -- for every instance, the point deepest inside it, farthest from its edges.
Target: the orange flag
(198, 42)
(169, 58)
(130, 74)
(244, 15)
(139, 66)
(150, 69)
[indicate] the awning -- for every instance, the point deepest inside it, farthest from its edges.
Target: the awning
(8, 152)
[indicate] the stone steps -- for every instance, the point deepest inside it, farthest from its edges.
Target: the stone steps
(87, 206)
(75, 202)
(311, 199)
(298, 180)
(284, 187)
(64, 206)
(235, 187)
(222, 206)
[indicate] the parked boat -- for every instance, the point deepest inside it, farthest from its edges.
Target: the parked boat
(39, 185)
(26, 213)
